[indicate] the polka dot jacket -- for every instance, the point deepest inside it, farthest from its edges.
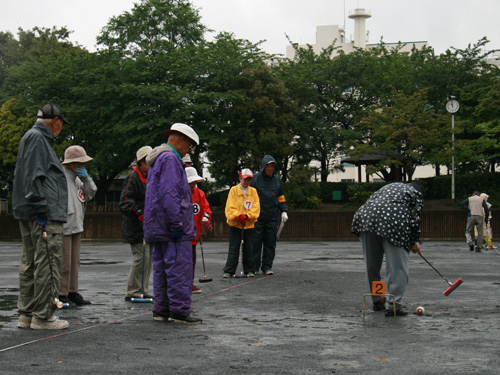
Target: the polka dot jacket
(392, 212)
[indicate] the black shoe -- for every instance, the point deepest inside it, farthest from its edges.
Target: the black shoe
(64, 299)
(399, 312)
(478, 249)
(471, 247)
(157, 317)
(78, 299)
(176, 318)
(379, 305)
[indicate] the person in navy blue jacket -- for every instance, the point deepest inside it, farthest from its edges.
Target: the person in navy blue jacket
(272, 205)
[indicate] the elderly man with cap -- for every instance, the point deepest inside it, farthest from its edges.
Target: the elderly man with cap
(201, 210)
(81, 188)
(169, 225)
(132, 200)
(40, 201)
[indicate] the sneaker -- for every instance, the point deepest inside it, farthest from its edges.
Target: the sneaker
(78, 299)
(250, 274)
(399, 312)
(227, 275)
(24, 321)
(157, 317)
(195, 289)
(176, 318)
(379, 305)
(268, 272)
(471, 247)
(52, 323)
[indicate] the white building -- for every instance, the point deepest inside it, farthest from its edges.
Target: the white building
(326, 35)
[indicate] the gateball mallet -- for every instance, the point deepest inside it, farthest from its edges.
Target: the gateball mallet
(204, 279)
(59, 304)
(453, 286)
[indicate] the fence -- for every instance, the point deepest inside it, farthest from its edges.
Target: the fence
(302, 226)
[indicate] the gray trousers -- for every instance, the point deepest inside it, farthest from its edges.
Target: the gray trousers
(135, 277)
(36, 281)
(396, 266)
(474, 221)
(71, 264)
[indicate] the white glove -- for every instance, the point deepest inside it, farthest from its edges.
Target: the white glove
(284, 217)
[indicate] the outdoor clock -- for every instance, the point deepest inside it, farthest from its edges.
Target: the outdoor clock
(452, 106)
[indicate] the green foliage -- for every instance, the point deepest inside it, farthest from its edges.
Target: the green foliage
(359, 193)
(300, 192)
(154, 68)
(440, 187)
(405, 131)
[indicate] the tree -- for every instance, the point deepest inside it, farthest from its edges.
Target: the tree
(134, 88)
(13, 124)
(253, 122)
(331, 96)
(407, 131)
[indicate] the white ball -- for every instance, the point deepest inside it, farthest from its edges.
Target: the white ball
(420, 310)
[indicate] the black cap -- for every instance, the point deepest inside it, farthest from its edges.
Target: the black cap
(50, 111)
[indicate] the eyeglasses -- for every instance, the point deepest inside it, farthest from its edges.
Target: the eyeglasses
(189, 142)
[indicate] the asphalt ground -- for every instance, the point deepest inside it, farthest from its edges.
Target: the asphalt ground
(306, 319)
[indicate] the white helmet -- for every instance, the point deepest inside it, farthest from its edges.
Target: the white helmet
(184, 130)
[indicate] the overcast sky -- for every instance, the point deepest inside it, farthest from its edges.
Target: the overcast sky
(442, 23)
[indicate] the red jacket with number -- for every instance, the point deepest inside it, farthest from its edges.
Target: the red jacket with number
(201, 208)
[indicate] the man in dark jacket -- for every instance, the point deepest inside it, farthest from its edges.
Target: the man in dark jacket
(40, 203)
(132, 206)
(389, 224)
(272, 203)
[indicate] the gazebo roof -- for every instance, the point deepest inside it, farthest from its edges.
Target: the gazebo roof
(374, 158)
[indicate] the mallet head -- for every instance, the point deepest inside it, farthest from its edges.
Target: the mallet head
(453, 286)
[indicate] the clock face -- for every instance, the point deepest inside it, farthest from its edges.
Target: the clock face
(452, 106)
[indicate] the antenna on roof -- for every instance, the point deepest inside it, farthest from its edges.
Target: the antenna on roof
(344, 15)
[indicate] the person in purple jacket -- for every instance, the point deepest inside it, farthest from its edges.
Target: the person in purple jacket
(169, 225)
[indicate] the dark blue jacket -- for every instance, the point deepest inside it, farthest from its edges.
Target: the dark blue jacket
(270, 189)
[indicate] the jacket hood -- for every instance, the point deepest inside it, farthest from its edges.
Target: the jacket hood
(153, 155)
(265, 161)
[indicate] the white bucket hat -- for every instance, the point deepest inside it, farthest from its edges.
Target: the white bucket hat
(192, 175)
(187, 159)
(76, 154)
(184, 130)
(143, 152)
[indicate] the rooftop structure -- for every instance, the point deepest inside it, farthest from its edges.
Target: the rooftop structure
(326, 35)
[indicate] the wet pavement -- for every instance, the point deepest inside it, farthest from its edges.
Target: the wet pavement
(306, 319)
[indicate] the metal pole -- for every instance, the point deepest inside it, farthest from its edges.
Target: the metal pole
(453, 157)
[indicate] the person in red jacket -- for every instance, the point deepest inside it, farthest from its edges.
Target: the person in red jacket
(201, 210)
